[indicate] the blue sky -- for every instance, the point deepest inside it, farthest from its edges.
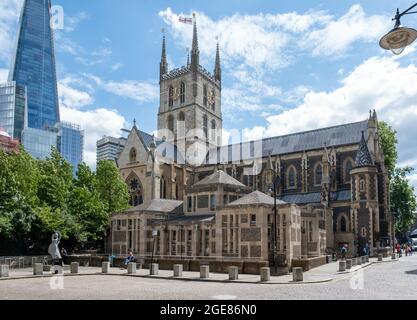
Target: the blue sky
(287, 65)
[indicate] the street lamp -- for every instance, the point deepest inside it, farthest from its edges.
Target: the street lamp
(275, 186)
(400, 37)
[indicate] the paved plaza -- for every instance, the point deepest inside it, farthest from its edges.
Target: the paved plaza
(386, 280)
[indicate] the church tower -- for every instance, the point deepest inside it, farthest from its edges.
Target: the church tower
(190, 100)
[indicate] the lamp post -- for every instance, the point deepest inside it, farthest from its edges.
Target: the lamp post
(275, 186)
(400, 37)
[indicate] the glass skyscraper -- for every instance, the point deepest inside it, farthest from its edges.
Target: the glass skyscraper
(12, 109)
(71, 143)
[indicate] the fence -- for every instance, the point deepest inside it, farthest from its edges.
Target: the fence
(24, 261)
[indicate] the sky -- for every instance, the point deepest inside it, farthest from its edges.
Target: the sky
(288, 66)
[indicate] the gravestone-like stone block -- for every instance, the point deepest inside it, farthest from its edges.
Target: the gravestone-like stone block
(348, 264)
(204, 272)
(38, 269)
(131, 268)
(105, 267)
(74, 267)
(178, 268)
(342, 266)
(233, 273)
(154, 269)
(4, 271)
(265, 274)
(297, 274)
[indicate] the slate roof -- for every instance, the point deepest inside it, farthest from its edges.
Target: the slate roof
(315, 197)
(344, 134)
(219, 177)
(363, 157)
(190, 218)
(159, 205)
(255, 198)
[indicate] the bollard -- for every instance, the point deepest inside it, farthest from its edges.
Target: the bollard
(38, 269)
(329, 259)
(105, 267)
(33, 261)
(204, 272)
(354, 262)
(154, 269)
(74, 267)
(367, 259)
(348, 264)
(265, 274)
(233, 273)
(297, 274)
(380, 257)
(363, 259)
(342, 266)
(358, 261)
(131, 268)
(178, 268)
(394, 256)
(4, 271)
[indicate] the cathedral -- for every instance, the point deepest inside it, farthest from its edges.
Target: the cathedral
(284, 201)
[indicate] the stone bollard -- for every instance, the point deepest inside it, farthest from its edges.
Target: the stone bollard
(38, 269)
(358, 261)
(233, 273)
(74, 267)
(297, 274)
(380, 257)
(394, 256)
(178, 268)
(204, 272)
(131, 268)
(367, 259)
(348, 264)
(363, 259)
(154, 269)
(342, 266)
(33, 261)
(265, 274)
(329, 259)
(4, 271)
(105, 267)
(354, 262)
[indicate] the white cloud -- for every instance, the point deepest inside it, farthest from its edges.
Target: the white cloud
(71, 97)
(9, 16)
(4, 74)
(72, 21)
(117, 66)
(96, 123)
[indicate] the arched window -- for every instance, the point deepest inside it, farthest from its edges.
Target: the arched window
(132, 155)
(135, 190)
(348, 167)
(213, 130)
(181, 124)
(171, 123)
(171, 96)
(343, 224)
(318, 174)
(213, 100)
(292, 178)
(205, 95)
(205, 126)
(162, 190)
(182, 93)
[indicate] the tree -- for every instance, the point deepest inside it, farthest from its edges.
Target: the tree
(111, 187)
(403, 199)
(389, 146)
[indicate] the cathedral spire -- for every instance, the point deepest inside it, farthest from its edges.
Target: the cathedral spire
(217, 67)
(164, 63)
(195, 52)
(364, 158)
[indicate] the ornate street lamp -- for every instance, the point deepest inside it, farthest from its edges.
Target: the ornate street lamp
(400, 37)
(276, 182)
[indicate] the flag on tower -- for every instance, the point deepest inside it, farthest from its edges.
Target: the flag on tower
(186, 20)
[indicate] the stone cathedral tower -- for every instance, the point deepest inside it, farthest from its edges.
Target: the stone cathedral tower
(190, 100)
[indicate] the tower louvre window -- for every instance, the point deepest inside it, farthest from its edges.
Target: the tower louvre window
(205, 95)
(205, 126)
(182, 93)
(171, 96)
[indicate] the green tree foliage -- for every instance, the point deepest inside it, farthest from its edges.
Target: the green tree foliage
(40, 196)
(389, 145)
(403, 199)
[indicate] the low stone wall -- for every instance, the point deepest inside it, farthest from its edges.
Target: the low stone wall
(308, 263)
(88, 260)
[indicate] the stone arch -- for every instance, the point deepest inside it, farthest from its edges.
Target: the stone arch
(291, 177)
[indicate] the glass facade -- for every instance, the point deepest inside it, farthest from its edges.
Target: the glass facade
(12, 109)
(34, 64)
(71, 143)
(39, 142)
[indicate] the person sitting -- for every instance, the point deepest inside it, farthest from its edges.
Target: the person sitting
(130, 258)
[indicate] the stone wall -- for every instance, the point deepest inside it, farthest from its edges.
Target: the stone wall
(308, 264)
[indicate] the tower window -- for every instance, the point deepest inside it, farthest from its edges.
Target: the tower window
(213, 130)
(343, 225)
(318, 174)
(171, 96)
(205, 95)
(213, 100)
(205, 126)
(291, 182)
(348, 168)
(182, 93)
(133, 155)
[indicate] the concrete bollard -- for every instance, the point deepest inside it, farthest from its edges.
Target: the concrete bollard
(358, 261)
(131, 268)
(33, 261)
(4, 271)
(367, 259)
(329, 259)
(265, 274)
(354, 262)
(363, 259)
(74, 267)
(233, 273)
(154, 269)
(394, 256)
(38, 269)
(105, 267)
(297, 274)
(348, 264)
(342, 266)
(380, 257)
(204, 272)
(178, 268)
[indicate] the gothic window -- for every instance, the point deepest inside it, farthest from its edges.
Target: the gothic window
(162, 189)
(343, 225)
(205, 95)
(318, 174)
(347, 168)
(205, 125)
(132, 155)
(171, 96)
(171, 123)
(182, 93)
(291, 180)
(213, 100)
(362, 185)
(135, 190)
(213, 130)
